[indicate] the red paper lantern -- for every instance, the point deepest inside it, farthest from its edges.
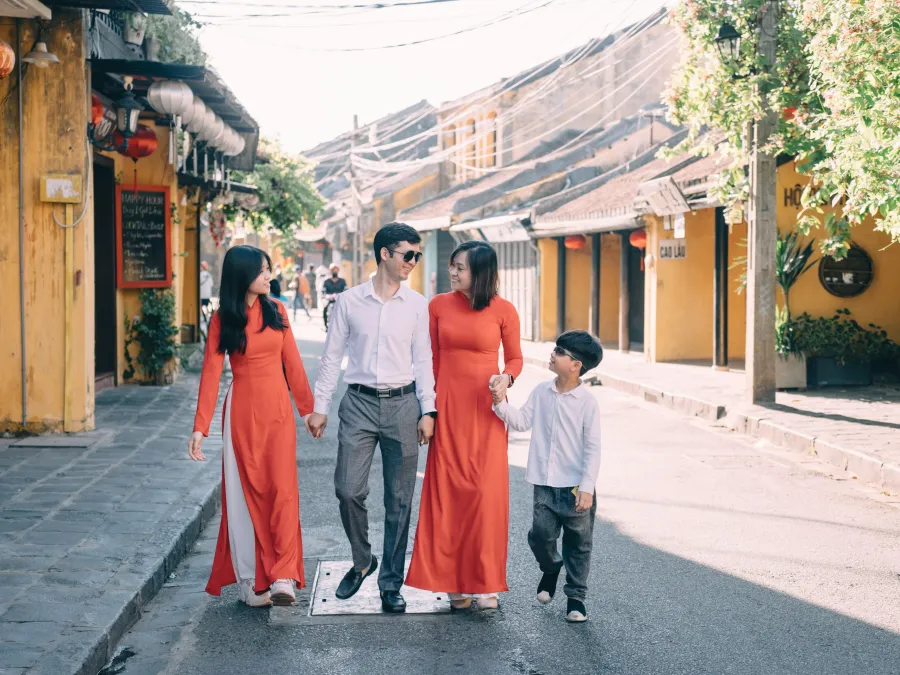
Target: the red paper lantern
(7, 59)
(788, 113)
(142, 144)
(638, 239)
(575, 242)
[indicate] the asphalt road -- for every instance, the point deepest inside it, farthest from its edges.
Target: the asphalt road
(711, 555)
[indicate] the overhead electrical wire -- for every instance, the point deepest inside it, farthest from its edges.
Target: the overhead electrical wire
(446, 155)
(510, 113)
(652, 57)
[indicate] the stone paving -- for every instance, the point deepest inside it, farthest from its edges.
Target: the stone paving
(92, 525)
(855, 428)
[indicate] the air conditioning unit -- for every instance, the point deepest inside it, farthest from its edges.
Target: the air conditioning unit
(25, 9)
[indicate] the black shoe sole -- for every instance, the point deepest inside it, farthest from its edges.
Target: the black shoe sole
(372, 568)
(392, 610)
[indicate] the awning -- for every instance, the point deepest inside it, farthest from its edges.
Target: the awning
(563, 228)
(311, 235)
(147, 6)
(493, 221)
(25, 9)
(663, 196)
(429, 224)
(205, 83)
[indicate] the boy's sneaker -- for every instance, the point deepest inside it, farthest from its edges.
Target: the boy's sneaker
(575, 611)
(547, 588)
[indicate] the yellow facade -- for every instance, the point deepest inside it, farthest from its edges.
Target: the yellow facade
(156, 170)
(59, 354)
(679, 293)
(56, 100)
(578, 287)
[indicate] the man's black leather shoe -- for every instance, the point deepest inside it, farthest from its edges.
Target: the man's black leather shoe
(392, 602)
(353, 580)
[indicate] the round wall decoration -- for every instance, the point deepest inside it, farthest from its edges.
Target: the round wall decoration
(849, 277)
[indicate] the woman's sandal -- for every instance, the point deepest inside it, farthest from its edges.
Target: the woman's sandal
(459, 603)
(487, 604)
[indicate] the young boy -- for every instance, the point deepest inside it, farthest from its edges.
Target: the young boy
(563, 462)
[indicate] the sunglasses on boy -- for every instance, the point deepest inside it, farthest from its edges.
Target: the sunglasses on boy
(560, 351)
(408, 256)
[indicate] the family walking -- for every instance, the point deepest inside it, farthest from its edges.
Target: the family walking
(417, 373)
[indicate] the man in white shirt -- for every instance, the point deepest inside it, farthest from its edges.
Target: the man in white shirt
(563, 463)
(390, 401)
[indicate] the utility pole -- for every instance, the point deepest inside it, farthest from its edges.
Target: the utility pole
(762, 234)
(356, 213)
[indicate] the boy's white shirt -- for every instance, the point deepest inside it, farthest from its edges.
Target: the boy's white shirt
(565, 437)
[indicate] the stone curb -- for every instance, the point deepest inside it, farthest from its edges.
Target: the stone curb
(866, 467)
(188, 521)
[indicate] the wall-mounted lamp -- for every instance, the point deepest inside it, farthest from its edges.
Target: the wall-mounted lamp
(40, 57)
(128, 112)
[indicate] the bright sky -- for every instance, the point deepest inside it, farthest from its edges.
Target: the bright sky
(278, 65)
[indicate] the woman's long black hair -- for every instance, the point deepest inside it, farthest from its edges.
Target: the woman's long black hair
(482, 259)
(241, 266)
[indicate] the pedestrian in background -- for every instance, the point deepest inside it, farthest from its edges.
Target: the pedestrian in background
(260, 545)
(463, 531)
(311, 284)
(300, 286)
(563, 463)
(206, 289)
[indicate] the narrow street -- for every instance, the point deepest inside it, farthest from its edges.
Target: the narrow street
(711, 555)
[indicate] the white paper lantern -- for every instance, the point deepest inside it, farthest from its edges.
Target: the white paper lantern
(238, 146)
(212, 126)
(196, 117)
(171, 97)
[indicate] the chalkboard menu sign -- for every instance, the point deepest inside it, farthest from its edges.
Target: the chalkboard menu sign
(143, 236)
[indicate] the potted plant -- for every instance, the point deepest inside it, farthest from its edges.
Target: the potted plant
(840, 351)
(792, 260)
(135, 27)
(790, 366)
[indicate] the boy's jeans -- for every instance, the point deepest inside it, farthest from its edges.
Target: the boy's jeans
(554, 509)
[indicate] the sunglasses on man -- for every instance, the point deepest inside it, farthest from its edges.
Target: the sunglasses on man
(408, 256)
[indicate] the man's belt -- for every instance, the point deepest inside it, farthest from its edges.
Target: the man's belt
(383, 393)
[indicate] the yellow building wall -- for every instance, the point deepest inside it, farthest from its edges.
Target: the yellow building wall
(190, 283)
(610, 266)
(152, 170)
(683, 303)
(880, 303)
(578, 288)
(56, 102)
(737, 302)
(548, 251)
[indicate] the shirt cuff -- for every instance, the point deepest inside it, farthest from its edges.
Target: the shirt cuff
(587, 485)
(321, 406)
(500, 407)
(427, 406)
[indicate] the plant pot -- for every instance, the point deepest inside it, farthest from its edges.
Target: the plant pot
(827, 372)
(790, 371)
(135, 27)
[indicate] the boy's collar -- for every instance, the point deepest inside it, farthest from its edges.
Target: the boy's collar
(575, 391)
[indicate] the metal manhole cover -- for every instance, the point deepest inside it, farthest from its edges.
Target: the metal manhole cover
(367, 601)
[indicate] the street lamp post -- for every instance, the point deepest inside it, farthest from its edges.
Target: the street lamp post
(762, 227)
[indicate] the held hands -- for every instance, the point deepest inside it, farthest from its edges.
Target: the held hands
(426, 429)
(194, 447)
(498, 385)
(584, 501)
(315, 424)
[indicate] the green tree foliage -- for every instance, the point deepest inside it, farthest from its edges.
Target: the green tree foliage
(286, 188)
(177, 35)
(835, 86)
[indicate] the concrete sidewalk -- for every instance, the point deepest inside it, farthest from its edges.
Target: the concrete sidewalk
(91, 526)
(856, 429)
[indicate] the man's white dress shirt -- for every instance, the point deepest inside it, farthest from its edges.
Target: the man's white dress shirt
(565, 437)
(388, 342)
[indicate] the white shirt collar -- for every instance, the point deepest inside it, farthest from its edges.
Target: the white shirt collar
(368, 289)
(577, 392)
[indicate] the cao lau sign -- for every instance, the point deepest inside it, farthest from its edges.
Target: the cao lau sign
(672, 249)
